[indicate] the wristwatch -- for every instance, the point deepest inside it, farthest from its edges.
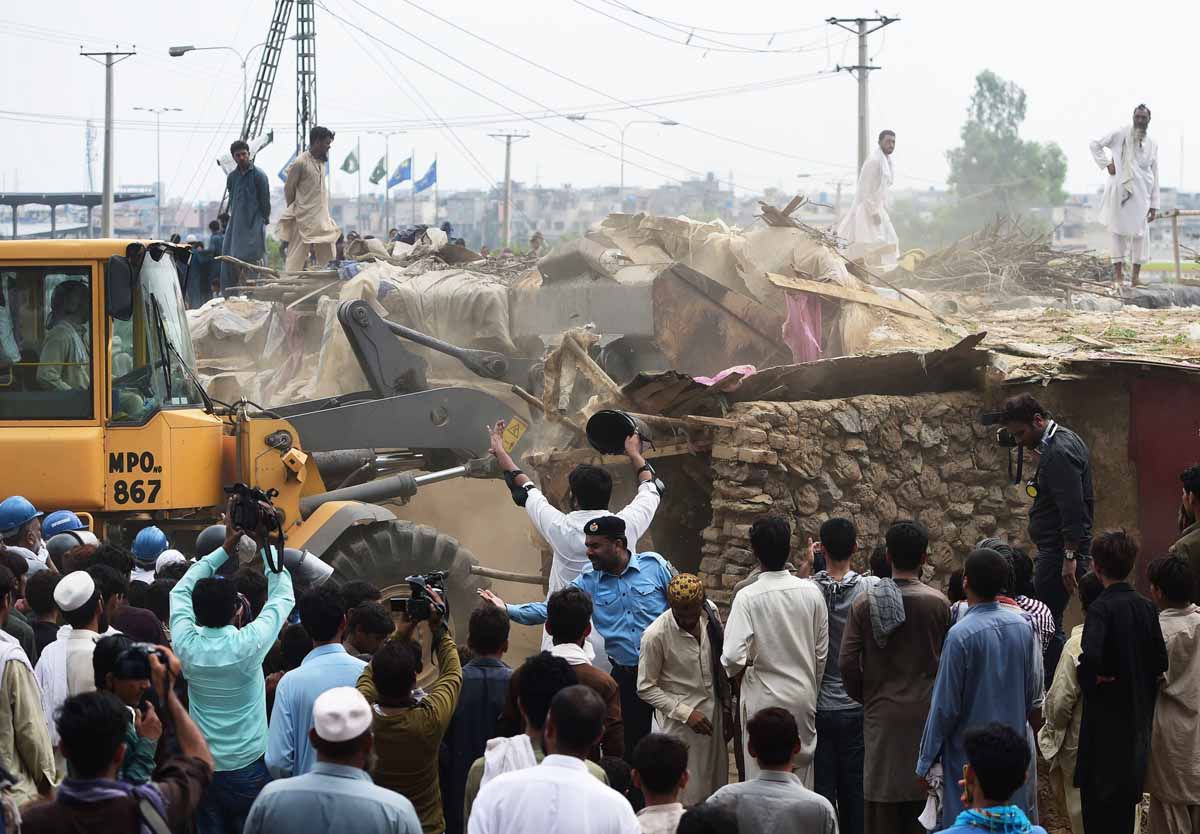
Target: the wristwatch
(1070, 555)
(654, 479)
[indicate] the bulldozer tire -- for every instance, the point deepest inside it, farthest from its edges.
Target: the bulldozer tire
(385, 553)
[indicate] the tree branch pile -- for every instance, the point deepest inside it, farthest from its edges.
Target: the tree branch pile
(1003, 257)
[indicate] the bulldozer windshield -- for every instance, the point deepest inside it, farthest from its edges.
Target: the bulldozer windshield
(152, 357)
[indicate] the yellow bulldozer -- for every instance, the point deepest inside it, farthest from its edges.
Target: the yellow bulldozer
(101, 413)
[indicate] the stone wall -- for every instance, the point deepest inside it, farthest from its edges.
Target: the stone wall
(874, 459)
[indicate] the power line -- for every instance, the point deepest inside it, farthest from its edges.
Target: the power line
(692, 33)
(717, 47)
(664, 20)
(482, 95)
(589, 88)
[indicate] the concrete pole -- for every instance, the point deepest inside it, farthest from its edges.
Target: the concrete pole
(106, 205)
(507, 190)
(863, 112)
(158, 175)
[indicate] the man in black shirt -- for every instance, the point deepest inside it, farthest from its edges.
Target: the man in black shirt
(1060, 518)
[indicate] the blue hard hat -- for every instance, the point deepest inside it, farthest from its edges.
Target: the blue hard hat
(60, 521)
(14, 512)
(149, 544)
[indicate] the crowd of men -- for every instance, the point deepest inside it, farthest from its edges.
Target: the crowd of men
(141, 690)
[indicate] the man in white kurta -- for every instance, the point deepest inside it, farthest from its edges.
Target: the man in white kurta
(1130, 200)
(306, 223)
(867, 228)
(677, 678)
(778, 636)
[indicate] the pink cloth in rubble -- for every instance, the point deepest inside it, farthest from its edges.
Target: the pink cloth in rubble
(744, 370)
(802, 330)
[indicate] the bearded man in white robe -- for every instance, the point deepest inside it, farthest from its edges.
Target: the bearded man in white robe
(1130, 201)
(867, 228)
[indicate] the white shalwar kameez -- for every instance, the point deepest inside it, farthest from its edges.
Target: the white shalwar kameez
(1130, 193)
(778, 633)
(874, 242)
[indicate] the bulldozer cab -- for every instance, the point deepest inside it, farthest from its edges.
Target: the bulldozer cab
(95, 376)
(63, 357)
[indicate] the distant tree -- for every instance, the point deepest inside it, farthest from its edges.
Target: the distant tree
(995, 171)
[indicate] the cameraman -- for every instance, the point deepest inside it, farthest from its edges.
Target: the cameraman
(125, 672)
(408, 734)
(223, 665)
(1060, 518)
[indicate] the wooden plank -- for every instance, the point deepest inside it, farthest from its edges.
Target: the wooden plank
(715, 422)
(870, 299)
(536, 459)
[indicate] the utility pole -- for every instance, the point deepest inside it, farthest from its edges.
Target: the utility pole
(110, 60)
(862, 27)
(158, 111)
(508, 141)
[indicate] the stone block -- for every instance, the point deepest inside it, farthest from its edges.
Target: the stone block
(745, 436)
(960, 510)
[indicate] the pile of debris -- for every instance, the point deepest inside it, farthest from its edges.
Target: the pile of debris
(1006, 256)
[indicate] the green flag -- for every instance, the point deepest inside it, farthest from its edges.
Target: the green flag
(350, 166)
(379, 173)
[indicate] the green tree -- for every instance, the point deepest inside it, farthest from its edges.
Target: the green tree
(995, 171)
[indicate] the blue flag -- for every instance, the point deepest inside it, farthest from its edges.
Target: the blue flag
(427, 181)
(403, 173)
(283, 171)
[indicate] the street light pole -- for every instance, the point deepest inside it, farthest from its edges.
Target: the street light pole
(180, 51)
(580, 117)
(158, 184)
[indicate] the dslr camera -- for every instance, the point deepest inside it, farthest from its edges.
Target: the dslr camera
(1006, 440)
(418, 605)
(134, 662)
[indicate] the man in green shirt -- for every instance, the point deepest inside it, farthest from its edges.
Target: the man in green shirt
(408, 733)
(222, 660)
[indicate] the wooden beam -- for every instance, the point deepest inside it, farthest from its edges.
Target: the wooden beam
(592, 456)
(841, 293)
(715, 422)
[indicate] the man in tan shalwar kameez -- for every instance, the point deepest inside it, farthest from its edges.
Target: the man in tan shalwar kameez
(306, 223)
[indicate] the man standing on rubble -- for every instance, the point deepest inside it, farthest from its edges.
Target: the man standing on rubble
(249, 212)
(867, 228)
(1130, 201)
(306, 223)
(590, 491)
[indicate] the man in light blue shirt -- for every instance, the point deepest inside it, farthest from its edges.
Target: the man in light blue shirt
(990, 672)
(328, 665)
(222, 662)
(337, 794)
(629, 592)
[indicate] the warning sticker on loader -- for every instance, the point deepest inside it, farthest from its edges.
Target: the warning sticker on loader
(514, 430)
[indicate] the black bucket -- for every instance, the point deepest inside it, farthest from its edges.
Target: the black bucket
(608, 429)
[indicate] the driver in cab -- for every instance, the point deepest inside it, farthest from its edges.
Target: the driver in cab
(65, 361)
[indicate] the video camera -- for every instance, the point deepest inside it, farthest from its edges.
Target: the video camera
(418, 605)
(252, 510)
(1006, 440)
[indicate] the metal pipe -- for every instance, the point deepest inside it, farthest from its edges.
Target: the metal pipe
(403, 486)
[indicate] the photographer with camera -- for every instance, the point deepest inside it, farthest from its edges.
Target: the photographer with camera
(1060, 518)
(408, 734)
(223, 665)
(94, 798)
(122, 667)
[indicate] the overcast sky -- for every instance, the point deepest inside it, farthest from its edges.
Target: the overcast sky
(798, 113)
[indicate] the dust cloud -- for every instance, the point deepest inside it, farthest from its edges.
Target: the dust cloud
(482, 516)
